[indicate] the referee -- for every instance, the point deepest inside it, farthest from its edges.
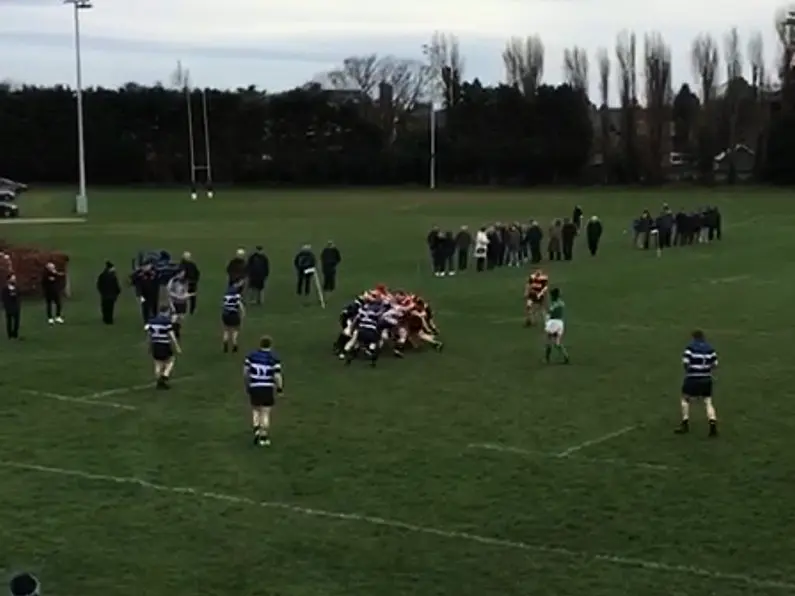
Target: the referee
(700, 361)
(179, 298)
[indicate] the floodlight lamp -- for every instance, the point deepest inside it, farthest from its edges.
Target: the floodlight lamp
(80, 4)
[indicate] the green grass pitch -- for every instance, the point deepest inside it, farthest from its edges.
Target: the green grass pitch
(379, 481)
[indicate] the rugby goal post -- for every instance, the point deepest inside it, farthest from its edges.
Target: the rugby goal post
(181, 79)
(312, 271)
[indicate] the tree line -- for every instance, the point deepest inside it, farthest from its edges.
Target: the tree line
(369, 121)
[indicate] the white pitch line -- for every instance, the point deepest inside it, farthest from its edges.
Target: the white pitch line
(597, 441)
(583, 556)
(131, 389)
(591, 460)
(78, 400)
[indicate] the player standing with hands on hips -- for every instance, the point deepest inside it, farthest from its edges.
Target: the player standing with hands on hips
(700, 361)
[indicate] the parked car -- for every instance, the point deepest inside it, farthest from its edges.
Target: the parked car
(8, 209)
(10, 190)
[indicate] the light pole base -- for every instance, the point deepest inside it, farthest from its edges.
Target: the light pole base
(81, 204)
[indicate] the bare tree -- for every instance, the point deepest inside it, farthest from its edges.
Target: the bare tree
(756, 56)
(786, 62)
(357, 73)
(446, 67)
(705, 58)
(524, 63)
(733, 55)
(659, 97)
(407, 81)
(759, 86)
(626, 55)
(735, 86)
(575, 68)
(603, 62)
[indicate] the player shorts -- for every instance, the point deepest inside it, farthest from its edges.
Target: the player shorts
(554, 327)
(162, 352)
(262, 397)
(534, 299)
(179, 308)
(697, 387)
(231, 319)
(368, 336)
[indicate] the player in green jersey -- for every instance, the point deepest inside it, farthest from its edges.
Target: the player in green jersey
(555, 327)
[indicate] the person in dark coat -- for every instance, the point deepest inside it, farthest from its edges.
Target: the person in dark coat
(330, 259)
(147, 290)
(576, 217)
(305, 265)
(568, 234)
(593, 234)
(12, 305)
(535, 235)
(463, 243)
(448, 253)
(258, 268)
(192, 276)
(236, 269)
(434, 242)
(52, 285)
(109, 289)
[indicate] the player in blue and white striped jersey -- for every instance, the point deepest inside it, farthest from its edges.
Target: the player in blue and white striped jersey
(262, 374)
(347, 315)
(366, 332)
(699, 361)
(232, 313)
(162, 345)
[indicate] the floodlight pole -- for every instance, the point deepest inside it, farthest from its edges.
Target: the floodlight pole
(81, 201)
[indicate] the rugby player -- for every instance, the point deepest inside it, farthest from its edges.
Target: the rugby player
(420, 325)
(232, 313)
(262, 374)
(366, 332)
(163, 344)
(555, 327)
(347, 316)
(535, 294)
(179, 299)
(700, 361)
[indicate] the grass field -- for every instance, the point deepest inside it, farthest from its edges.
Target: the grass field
(475, 471)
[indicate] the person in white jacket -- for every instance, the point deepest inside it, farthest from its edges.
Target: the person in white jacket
(481, 249)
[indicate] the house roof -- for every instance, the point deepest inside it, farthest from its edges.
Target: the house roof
(738, 148)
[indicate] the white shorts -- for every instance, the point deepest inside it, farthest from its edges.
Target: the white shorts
(554, 327)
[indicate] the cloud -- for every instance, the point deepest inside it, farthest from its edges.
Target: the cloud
(279, 44)
(100, 43)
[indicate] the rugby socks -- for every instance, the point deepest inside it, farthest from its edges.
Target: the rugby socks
(713, 428)
(560, 349)
(177, 330)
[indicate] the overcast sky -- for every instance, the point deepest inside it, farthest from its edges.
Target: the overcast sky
(277, 45)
